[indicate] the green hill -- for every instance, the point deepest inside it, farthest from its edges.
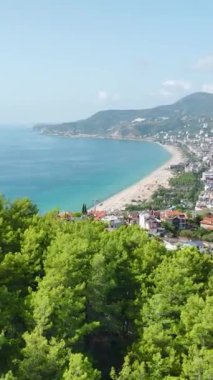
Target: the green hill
(133, 123)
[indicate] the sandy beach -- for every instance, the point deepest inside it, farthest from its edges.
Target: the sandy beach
(144, 188)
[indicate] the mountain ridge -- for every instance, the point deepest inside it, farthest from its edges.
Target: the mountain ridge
(136, 122)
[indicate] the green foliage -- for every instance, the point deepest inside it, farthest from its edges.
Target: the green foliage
(77, 300)
(84, 209)
(15, 218)
(120, 121)
(198, 233)
(169, 226)
(198, 365)
(182, 194)
(177, 322)
(77, 214)
(80, 369)
(8, 376)
(41, 359)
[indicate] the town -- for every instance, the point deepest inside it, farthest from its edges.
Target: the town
(181, 215)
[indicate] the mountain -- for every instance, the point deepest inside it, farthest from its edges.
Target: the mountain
(138, 123)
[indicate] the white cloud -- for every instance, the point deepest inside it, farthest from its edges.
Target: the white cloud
(165, 92)
(205, 63)
(207, 87)
(102, 95)
(174, 85)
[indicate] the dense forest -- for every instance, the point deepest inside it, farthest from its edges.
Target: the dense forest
(78, 302)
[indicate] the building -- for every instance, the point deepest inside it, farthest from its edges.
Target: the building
(177, 218)
(98, 214)
(133, 217)
(65, 215)
(113, 221)
(149, 222)
(193, 167)
(178, 167)
(207, 222)
(208, 176)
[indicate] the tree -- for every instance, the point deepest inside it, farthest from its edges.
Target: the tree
(84, 209)
(197, 321)
(169, 226)
(41, 359)
(60, 302)
(80, 369)
(12, 326)
(16, 218)
(73, 295)
(173, 320)
(8, 376)
(198, 364)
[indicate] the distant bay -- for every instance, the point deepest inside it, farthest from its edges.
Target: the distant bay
(57, 172)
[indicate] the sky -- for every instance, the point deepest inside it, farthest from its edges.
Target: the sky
(62, 60)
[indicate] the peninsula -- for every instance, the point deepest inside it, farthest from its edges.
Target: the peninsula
(178, 127)
(139, 124)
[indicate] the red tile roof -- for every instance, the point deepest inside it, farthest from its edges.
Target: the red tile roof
(167, 214)
(208, 220)
(98, 214)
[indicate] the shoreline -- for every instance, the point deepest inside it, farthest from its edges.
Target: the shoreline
(143, 189)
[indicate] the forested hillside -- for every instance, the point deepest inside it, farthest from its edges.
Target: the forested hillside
(139, 122)
(80, 303)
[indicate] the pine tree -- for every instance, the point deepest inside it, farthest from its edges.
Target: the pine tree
(84, 209)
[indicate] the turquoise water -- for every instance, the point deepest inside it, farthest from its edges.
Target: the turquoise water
(64, 173)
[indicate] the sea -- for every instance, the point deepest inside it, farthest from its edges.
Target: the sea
(63, 173)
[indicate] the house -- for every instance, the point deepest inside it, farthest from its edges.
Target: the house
(98, 214)
(177, 167)
(113, 221)
(207, 222)
(65, 215)
(205, 200)
(149, 222)
(207, 176)
(133, 217)
(193, 167)
(176, 217)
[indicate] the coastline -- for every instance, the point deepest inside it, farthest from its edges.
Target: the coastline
(143, 189)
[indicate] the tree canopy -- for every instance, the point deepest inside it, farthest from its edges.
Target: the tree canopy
(80, 302)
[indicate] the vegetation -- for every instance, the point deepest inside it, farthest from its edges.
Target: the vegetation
(199, 233)
(84, 209)
(182, 194)
(79, 302)
(159, 119)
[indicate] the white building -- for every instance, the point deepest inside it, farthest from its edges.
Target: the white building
(148, 222)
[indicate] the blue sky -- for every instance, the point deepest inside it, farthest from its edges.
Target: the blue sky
(62, 60)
